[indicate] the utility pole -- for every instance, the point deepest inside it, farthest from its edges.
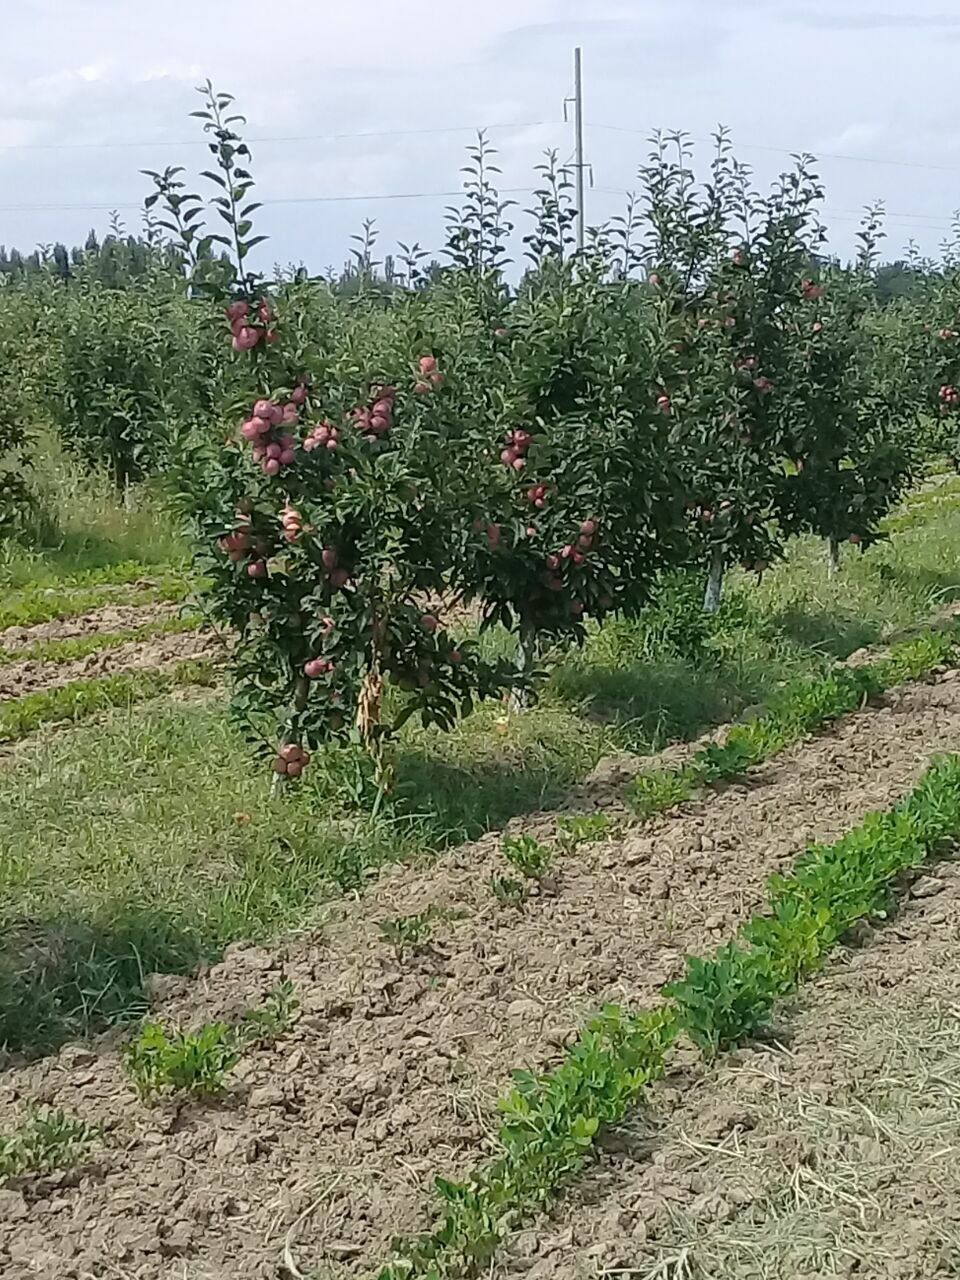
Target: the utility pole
(579, 164)
(578, 129)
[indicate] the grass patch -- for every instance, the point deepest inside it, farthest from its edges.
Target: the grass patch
(82, 698)
(34, 605)
(81, 526)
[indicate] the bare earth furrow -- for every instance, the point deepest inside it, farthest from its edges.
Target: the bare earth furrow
(391, 1073)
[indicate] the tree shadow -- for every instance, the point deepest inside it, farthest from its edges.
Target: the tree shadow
(657, 703)
(836, 635)
(452, 803)
(62, 979)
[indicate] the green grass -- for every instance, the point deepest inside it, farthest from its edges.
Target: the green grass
(122, 851)
(82, 528)
(82, 698)
(33, 605)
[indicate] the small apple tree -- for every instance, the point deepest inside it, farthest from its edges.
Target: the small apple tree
(853, 434)
(328, 520)
(726, 266)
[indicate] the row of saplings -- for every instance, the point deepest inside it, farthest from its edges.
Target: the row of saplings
(340, 537)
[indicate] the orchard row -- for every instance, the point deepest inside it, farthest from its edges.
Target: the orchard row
(698, 386)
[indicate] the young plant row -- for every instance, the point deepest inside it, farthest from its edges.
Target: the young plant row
(551, 1121)
(799, 709)
(82, 698)
(163, 1061)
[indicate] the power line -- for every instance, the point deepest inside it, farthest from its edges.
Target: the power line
(302, 137)
(395, 195)
(786, 151)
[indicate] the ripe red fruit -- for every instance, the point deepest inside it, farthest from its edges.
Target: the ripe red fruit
(257, 569)
(423, 388)
(763, 385)
(553, 562)
(500, 333)
(585, 541)
(339, 579)
(428, 364)
(576, 608)
(274, 451)
(493, 535)
(521, 440)
(272, 466)
(329, 558)
(663, 404)
(518, 464)
(299, 395)
(237, 310)
(588, 528)
(437, 379)
(455, 657)
(578, 558)
(294, 769)
(246, 338)
(290, 414)
(287, 457)
(855, 539)
(250, 429)
(429, 622)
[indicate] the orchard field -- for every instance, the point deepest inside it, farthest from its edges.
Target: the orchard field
(480, 744)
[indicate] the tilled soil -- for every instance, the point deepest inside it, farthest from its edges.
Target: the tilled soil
(109, 618)
(327, 1144)
(832, 1155)
(157, 653)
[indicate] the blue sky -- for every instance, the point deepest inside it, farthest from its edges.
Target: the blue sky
(98, 89)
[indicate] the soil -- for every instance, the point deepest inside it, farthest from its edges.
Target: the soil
(832, 1154)
(156, 654)
(327, 1144)
(109, 618)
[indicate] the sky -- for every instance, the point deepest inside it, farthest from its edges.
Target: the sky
(365, 109)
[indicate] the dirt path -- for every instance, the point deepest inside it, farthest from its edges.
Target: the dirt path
(157, 653)
(391, 1073)
(111, 617)
(834, 1156)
